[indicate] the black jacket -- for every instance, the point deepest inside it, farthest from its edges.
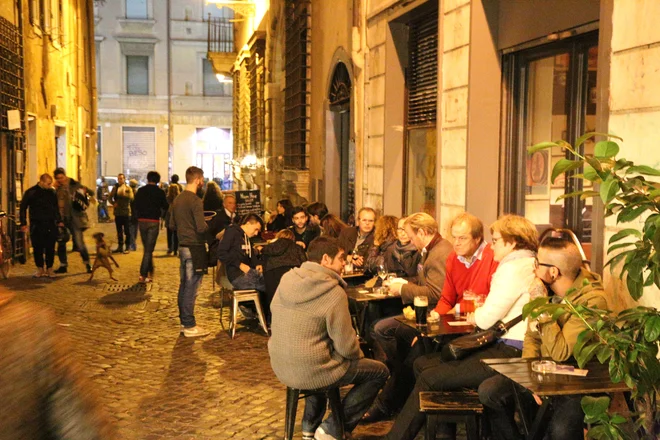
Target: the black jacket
(279, 222)
(311, 232)
(221, 220)
(150, 203)
(42, 204)
(283, 253)
(232, 251)
(348, 238)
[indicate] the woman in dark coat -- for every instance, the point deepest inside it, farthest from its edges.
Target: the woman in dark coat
(280, 256)
(283, 218)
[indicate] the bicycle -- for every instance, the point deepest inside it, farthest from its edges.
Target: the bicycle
(5, 247)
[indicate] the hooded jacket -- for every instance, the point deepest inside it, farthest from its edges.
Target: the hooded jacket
(283, 253)
(556, 339)
(313, 342)
(45, 393)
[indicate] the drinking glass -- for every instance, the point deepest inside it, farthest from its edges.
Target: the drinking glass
(421, 304)
(382, 272)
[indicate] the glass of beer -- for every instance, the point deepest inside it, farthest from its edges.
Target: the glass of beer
(421, 304)
(468, 302)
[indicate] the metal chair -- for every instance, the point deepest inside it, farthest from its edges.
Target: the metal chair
(294, 394)
(237, 297)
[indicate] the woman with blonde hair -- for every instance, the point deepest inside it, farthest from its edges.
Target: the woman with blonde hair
(393, 248)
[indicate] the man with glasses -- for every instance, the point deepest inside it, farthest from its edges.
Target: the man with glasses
(358, 240)
(559, 266)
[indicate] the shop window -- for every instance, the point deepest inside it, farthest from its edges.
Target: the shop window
(552, 97)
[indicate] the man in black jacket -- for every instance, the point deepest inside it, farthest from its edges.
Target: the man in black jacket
(358, 240)
(303, 230)
(241, 260)
(41, 201)
(226, 216)
(150, 205)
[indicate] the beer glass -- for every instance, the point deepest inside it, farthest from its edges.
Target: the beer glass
(421, 305)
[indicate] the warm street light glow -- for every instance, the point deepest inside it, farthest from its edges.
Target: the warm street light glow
(220, 77)
(249, 161)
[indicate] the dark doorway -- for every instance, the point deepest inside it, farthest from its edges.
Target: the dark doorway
(340, 105)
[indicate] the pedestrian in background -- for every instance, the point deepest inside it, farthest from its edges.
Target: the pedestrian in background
(41, 202)
(212, 197)
(150, 205)
(102, 197)
(72, 201)
(121, 198)
(187, 219)
(133, 223)
(172, 241)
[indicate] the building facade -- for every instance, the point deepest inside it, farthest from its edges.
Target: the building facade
(161, 106)
(48, 97)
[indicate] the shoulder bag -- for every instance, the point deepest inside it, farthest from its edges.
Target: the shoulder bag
(464, 346)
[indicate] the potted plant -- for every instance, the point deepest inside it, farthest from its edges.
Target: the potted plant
(627, 341)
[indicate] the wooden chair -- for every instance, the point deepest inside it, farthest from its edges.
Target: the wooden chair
(451, 407)
(237, 297)
(294, 394)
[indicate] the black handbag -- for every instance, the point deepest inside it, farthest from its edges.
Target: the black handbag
(463, 346)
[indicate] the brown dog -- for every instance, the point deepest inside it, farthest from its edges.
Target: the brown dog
(103, 256)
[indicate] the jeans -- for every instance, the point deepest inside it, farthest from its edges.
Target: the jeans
(497, 396)
(121, 222)
(435, 375)
(78, 242)
(188, 286)
(133, 231)
(252, 280)
(149, 235)
(43, 236)
(367, 376)
(172, 240)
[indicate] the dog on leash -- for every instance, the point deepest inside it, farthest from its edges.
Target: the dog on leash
(103, 256)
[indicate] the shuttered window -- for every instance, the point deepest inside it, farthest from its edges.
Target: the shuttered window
(139, 151)
(137, 75)
(422, 77)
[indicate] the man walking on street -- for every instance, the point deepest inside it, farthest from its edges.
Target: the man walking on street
(72, 203)
(187, 219)
(41, 201)
(132, 220)
(121, 198)
(150, 204)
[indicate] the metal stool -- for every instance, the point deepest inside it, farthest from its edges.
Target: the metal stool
(237, 297)
(294, 394)
(456, 406)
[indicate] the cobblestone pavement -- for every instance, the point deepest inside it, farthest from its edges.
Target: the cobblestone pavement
(154, 383)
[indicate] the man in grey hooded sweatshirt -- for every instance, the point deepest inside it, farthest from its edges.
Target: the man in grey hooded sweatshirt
(313, 344)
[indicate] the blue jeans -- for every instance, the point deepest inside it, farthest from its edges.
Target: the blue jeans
(149, 235)
(367, 377)
(188, 286)
(248, 281)
(78, 241)
(133, 228)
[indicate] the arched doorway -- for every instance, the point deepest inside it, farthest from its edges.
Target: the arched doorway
(344, 166)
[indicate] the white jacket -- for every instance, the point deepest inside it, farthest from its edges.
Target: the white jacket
(509, 292)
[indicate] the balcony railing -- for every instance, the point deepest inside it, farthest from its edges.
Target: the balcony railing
(221, 35)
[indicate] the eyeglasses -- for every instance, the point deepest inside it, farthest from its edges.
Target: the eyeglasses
(537, 263)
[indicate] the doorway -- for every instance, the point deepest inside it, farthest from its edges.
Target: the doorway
(60, 149)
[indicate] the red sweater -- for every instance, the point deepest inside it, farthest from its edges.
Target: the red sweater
(459, 278)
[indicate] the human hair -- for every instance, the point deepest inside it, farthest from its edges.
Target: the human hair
(318, 209)
(175, 178)
(321, 246)
(367, 209)
(45, 177)
(153, 177)
(421, 221)
(332, 225)
(193, 173)
(59, 171)
(476, 226)
(518, 230)
(298, 210)
(173, 191)
(385, 229)
(212, 199)
(287, 205)
(563, 254)
(285, 233)
(252, 218)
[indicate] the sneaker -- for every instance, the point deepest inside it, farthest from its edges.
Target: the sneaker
(50, 273)
(195, 332)
(39, 273)
(322, 435)
(88, 267)
(144, 280)
(125, 251)
(247, 312)
(119, 250)
(375, 414)
(62, 269)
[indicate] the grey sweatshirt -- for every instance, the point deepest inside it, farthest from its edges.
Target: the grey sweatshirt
(313, 342)
(187, 219)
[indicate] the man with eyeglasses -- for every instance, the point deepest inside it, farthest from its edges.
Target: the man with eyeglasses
(559, 266)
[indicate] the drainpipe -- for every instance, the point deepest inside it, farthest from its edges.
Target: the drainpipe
(93, 120)
(170, 146)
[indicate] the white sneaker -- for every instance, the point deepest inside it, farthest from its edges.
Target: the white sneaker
(321, 435)
(195, 332)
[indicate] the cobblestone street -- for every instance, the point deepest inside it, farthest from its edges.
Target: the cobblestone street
(154, 383)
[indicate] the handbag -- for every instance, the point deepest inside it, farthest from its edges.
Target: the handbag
(463, 346)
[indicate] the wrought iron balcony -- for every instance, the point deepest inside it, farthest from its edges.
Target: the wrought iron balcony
(221, 48)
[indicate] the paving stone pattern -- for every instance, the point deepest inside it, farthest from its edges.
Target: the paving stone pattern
(153, 382)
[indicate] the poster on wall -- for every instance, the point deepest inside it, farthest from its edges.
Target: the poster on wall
(139, 152)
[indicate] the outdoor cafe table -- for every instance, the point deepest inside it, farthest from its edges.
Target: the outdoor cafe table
(548, 385)
(364, 295)
(439, 328)
(355, 278)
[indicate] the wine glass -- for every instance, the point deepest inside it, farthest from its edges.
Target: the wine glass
(382, 272)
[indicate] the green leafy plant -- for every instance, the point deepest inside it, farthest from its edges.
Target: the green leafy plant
(627, 341)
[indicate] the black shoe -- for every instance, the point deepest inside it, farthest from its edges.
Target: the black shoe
(89, 268)
(62, 269)
(375, 414)
(119, 250)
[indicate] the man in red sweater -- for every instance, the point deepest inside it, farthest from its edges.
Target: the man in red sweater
(469, 267)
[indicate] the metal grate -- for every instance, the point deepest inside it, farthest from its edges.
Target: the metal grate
(422, 75)
(255, 69)
(95, 305)
(236, 114)
(11, 71)
(297, 93)
(220, 35)
(139, 287)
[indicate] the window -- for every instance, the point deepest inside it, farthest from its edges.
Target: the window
(554, 91)
(137, 75)
(136, 9)
(212, 87)
(422, 98)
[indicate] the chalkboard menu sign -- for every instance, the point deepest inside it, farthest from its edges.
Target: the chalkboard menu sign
(247, 202)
